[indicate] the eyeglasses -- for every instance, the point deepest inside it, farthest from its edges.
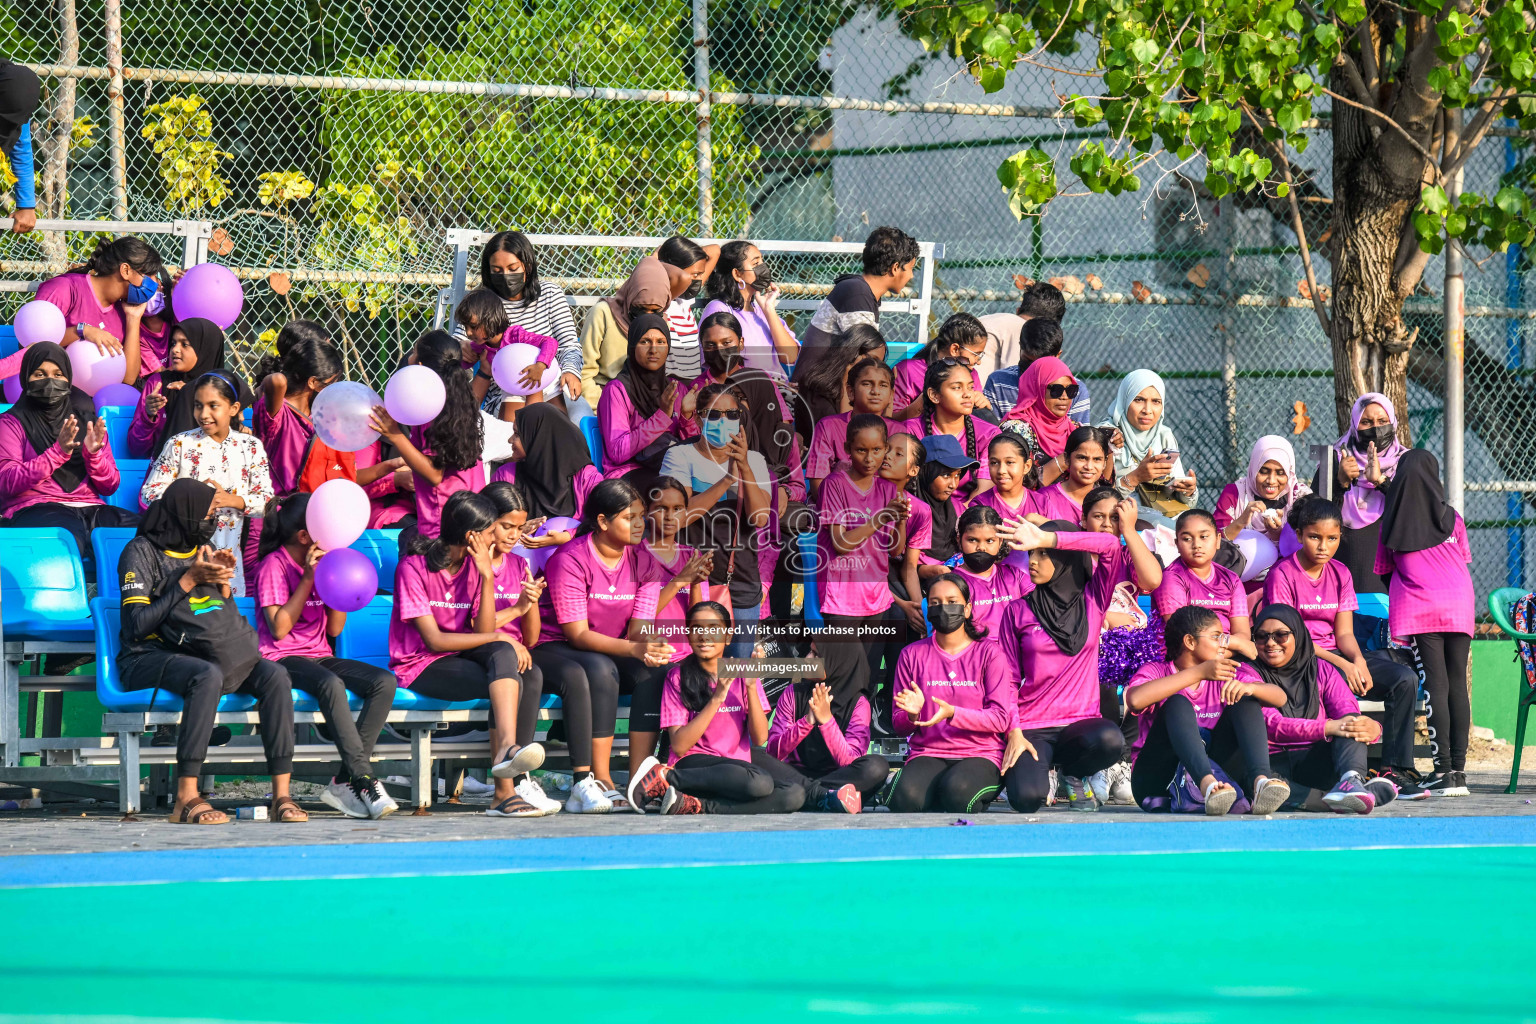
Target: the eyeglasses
(1221, 638)
(1057, 390)
(734, 415)
(1278, 637)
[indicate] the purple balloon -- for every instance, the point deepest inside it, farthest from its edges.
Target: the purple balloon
(535, 557)
(13, 388)
(346, 580)
(117, 394)
(555, 524)
(211, 292)
(414, 395)
(39, 320)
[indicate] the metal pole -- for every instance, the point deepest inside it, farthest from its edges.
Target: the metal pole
(1229, 397)
(1455, 356)
(1514, 359)
(116, 124)
(701, 83)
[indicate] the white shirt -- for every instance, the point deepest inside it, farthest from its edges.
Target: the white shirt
(698, 472)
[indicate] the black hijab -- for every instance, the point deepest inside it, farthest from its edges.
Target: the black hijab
(644, 386)
(208, 342)
(813, 752)
(1298, 677)
(1061, 606)
(1416, 514)
(41, 423)
(20, 94)
(554, 451)
(178, 520)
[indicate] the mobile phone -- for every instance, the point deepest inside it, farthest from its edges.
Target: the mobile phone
(1167, 453)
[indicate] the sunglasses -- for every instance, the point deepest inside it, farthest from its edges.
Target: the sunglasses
(1279, 637)
(1057, 390)
(734, 415)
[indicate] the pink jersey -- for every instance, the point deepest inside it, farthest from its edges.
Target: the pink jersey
(855, 583)
(582, 587)
(450, 598)
(726, 734)
(626, 433)
(787, 732)
(1222, 593)
(1204, 695)
(276, 577)
(976, 682)
(829, 441)
(671, 620)
(429, 499)
(510, 574)
(1053, 503)
(993, 499)
(991, 595)
(1319, 601)
(1430, 591)
(908, 385)
(286, 438)
(1057, 688)
(984, 433)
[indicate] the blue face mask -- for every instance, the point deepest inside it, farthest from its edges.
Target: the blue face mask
(138, 294)
(718, 433)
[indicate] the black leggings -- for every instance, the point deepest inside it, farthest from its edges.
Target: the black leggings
(1078, 750)
(866, 774)
(1397, 687)
(79, 520)
(589, 684)
(328, 680)
(763, 785)
(1239, 743)
(468, 675)
(1319, 765)
(200, 684)
(1443, 657)
(954, 786)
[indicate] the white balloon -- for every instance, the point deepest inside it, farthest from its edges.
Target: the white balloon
(1260, 552)
(340, 415)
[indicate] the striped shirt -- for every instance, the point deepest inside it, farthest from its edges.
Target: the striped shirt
(683, 358)
(549, 315)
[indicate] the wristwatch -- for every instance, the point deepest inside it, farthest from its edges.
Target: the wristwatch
(80, 329)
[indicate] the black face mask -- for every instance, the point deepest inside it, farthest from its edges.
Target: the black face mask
(693, 291)
(49, 391)
(721, 361)
(946, 618)
(507, 285)
(1380, 436)
(979, 561)
(201, 531)
(764, 279)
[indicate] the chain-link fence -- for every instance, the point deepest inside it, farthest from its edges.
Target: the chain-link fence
(335, 145)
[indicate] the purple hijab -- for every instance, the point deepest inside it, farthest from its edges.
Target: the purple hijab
(1364, 503)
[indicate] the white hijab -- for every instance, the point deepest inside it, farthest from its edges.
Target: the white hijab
(1140, 443)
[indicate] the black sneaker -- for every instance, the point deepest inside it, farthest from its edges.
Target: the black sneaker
(1408, 782)
(1447, 784)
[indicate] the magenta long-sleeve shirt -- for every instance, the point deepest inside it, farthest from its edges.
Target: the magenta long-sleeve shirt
(26, 477)
(787, 732)
(1337, 701)
(1055, 688)
(625, 433)
(144, 434)
(1431, 590)
(976, 683)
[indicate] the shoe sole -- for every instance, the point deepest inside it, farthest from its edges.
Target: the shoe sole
(638, 806)
(589, 810)
(1455, 791)
(851, 799)
(1269, 799)
(1220, 802)
(533, 812)
(1350, 803)
(1422, 794)
(334, 802)
(524, 761)
(386, 812)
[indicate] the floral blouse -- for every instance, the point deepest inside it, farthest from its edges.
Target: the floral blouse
(238, 465)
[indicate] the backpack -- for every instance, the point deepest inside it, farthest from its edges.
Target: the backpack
(207, 625)
(321, 462)
(1524, 619)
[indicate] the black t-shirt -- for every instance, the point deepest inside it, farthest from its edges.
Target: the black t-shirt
(851, 303)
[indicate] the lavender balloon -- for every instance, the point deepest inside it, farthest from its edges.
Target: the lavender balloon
(39, 320)
(508, 367)
(346, 580)
(340, 415)
(337, 514)
(94, 371)
(118, 394)
(211, 292)
(414, 395)
(13, 388)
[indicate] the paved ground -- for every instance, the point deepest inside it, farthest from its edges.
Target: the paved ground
(76, 828)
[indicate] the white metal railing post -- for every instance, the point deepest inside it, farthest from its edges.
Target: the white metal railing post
(117, 129)
(930, 253)
(460, 240)
(1455, 355)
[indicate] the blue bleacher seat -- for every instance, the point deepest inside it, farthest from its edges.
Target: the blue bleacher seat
(131, 473)
(809, 556)
(8, 342)
(118, 418)
(107, 543)
(383, 549)
(42, 586)
(1374, 605)
(594, 438)
(366, 638)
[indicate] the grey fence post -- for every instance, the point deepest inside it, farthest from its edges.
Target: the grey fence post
(116, 122)
(1455, 355)
(701, 83)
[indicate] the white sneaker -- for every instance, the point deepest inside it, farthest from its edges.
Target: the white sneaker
(531, 791)
(587, 798)
(372, 795)
(1053, 789)
(1120, 783)
(340, 796)
(473, 787)
(1098, 783)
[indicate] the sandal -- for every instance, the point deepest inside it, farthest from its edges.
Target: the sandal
(195, 814)
(284, 805)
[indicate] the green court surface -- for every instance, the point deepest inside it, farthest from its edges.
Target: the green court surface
(1357, 935)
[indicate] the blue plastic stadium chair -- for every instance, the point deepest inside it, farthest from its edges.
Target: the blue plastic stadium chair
(1374, 605)
(119, 418)
(8, 342)
(809, 557)
(42, 586)
(247, 414)
(5, 407)
(131, 473)
(366, 638)
(594, 438)
(108, 619)
(383, 549)
(107, 543)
